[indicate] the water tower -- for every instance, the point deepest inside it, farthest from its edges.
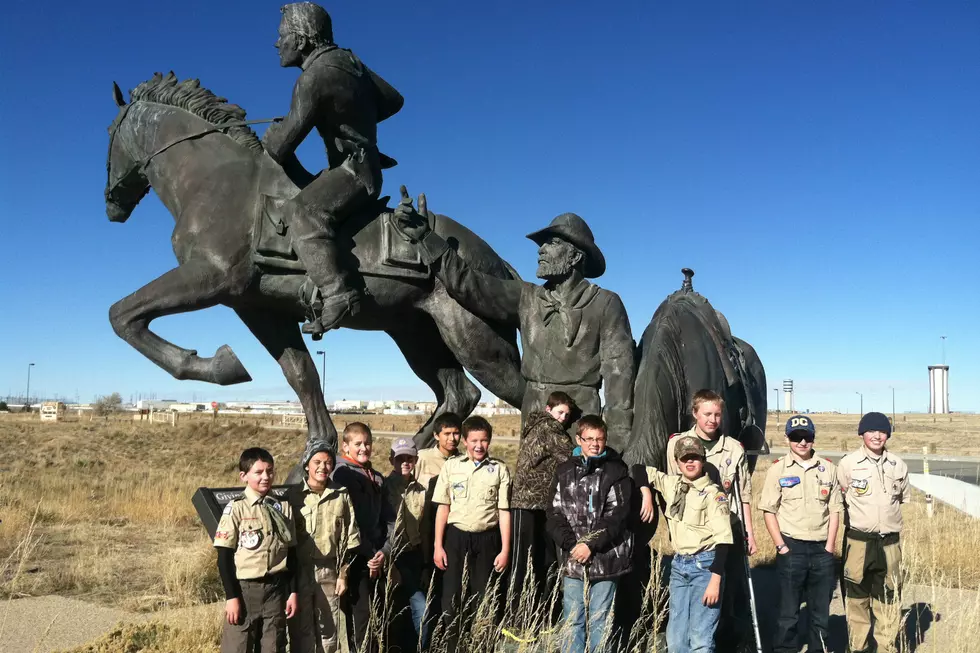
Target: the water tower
(939, 388)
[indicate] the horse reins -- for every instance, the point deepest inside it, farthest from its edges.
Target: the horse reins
(187, 137)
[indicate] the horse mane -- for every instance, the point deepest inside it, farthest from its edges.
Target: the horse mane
(194, 98)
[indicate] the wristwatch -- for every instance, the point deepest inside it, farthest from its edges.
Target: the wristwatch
(779, 549)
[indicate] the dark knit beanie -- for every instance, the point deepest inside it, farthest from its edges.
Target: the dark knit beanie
(875, 422)
(313, 447)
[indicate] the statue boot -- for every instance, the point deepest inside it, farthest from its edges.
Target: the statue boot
(332, 299)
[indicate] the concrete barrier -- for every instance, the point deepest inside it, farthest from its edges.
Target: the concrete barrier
(958, 494)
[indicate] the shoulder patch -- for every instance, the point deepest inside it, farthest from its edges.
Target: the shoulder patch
(721, 498)
(673, 435)
(228, 509)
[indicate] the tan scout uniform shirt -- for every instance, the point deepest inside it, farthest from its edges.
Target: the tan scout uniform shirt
(407, 500)
(325, 524)
(705, 523)
(429, 465)
(246, 526)
(474, 492)
(874, 490)
(721, 464)
(802, 495)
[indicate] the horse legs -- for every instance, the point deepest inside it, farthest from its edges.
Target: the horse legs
(433, 362)
(188, 287)
(489, 353)
(282, 339)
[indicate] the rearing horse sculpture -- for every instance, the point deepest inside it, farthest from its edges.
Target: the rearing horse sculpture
(210, 170)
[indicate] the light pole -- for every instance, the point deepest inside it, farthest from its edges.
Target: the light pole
(862, 401)
(323, 373)
(27, 401)
(776, 390)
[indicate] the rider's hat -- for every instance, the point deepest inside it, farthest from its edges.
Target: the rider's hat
(572, 228)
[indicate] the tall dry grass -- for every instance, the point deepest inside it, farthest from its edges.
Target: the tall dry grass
(102, 511)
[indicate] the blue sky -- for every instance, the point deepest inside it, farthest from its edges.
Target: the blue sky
(817, 164)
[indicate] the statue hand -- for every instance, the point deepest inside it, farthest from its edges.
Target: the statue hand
(414, 224)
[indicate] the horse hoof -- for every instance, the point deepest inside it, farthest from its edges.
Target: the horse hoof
(227, 369)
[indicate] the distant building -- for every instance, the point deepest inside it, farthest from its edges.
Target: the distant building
(348, 406)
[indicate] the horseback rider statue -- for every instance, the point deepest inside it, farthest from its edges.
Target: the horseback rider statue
(344, 100)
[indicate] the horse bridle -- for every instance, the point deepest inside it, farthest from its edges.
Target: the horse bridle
(141, 166)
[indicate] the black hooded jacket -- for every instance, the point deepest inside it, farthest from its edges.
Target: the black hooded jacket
(591, 504)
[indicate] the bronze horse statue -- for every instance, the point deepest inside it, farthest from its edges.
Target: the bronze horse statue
(688, 346)
(211, 172)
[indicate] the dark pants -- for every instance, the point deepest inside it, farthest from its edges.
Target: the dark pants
(735, 627)
(362, 590)
(315, 213)
(807, 573)
(475, 552)
(262, 624)
(532, 551)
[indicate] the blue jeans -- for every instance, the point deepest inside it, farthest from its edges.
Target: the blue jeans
(601, 595)
(692, 625)
(409, 565)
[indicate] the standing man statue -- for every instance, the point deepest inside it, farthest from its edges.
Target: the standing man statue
(575, 336)
(344, 100)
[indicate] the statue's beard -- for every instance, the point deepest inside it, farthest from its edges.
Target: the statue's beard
(552, 270)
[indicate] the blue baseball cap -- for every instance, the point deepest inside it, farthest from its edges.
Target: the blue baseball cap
(800, 423)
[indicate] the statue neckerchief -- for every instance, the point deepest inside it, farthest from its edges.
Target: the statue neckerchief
(575, 335)
(344, 101)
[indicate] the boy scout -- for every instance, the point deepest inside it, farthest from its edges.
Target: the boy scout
(698, 518)
(875, 484)
(725, 464)
(802, 505)
(256, 556)
(326, 539)
(430, 461)
(472, 521)
(406, 496)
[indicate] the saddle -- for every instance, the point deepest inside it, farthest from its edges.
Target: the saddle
(379, 248)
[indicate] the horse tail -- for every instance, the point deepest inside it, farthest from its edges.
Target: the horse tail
(660, 402)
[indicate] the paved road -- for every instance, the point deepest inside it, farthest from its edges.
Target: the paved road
(963, 468)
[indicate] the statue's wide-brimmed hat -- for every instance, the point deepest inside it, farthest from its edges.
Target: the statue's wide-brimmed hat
(572, 228)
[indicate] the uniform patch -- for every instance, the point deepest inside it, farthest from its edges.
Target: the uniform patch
(821, 468)
(250, 540)
(703, 492)
(893, 462)
(491, 468)
(824, 492)
(789, 481)
(459, 489)
(227, 510)
(222, 535)
(277, 505)
(721, 498)
(860, 486)
(728, 462)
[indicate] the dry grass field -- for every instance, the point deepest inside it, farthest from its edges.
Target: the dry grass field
(101, 511)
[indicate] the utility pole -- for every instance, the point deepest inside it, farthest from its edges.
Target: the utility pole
(894, 423)
(323, 373)
(27, 401)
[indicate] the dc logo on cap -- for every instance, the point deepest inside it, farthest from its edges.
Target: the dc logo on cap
(799, 421)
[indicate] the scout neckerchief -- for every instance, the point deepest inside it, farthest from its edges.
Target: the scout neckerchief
(680, 499)
(280, 528)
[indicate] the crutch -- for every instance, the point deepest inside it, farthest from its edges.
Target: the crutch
(745, 560)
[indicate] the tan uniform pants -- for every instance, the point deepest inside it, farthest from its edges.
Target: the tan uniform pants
(872, 587)
(319, 625)
(263, 619)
